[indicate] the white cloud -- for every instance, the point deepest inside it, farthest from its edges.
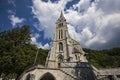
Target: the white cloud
(109, 6)
(39, 45)
(82, 5)
(45, 46)
(86, 34)
(15, 20)
(37, 35)
(96, 27)
(12, 2)
(34, 38)
(47, 14)
(11, 12)
(75, 35)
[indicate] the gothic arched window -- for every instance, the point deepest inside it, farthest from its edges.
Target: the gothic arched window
(60, 46)
(61, 34)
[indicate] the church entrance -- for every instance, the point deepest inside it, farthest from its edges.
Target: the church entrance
(48, 76)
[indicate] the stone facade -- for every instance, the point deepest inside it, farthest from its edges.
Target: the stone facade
(65, 61)
(62, 59)
(64, 48)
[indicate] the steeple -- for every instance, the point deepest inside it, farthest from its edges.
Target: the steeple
(61, 18)
(64, 48)
(61, 15)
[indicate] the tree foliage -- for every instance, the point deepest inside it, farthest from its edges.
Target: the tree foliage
(109, 58)
(41, 58)
(16, 52)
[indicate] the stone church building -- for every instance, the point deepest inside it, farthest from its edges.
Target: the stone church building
(65, 61)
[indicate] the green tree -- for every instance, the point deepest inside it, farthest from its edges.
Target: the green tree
(16, 52)
(108, 58)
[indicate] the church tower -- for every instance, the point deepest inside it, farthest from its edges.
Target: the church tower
(65, 61)
(64, 48)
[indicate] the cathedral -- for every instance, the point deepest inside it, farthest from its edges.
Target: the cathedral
(65, 61)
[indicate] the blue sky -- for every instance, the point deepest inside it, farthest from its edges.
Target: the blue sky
(94, 24)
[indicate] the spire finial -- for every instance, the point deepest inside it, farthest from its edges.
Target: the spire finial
(61, 18)
(61, 15)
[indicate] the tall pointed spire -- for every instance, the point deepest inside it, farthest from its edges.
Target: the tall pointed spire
(61, 15)
(61, 18)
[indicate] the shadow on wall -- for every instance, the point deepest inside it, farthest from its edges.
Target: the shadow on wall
(84, 71)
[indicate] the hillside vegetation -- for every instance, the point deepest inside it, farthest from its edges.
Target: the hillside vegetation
(17, 53)
(109, 58)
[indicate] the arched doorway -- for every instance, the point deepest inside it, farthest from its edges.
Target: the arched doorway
(47, 76)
